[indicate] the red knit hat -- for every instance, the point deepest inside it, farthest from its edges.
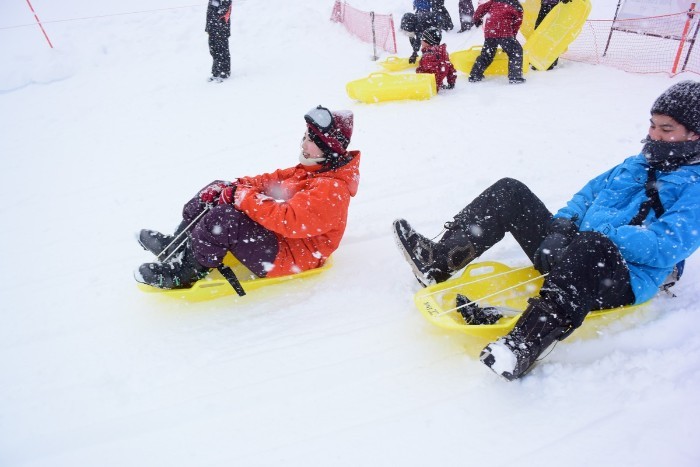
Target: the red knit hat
(330, 130)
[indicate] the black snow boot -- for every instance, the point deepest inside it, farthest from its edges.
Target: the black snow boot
(540, 327)
(181, 271)
(156, 242)
(433, 262)
(475, 314)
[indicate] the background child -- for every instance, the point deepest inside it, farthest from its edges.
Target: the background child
(436, 60)
(502, 25)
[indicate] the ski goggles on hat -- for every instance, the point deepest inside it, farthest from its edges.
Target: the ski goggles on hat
(320, 117)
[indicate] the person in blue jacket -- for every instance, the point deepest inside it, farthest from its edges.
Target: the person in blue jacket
(615, 243)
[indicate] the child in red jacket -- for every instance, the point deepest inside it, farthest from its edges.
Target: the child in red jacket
(436, 60)
(502, 25)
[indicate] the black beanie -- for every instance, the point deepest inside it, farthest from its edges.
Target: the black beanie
(682, 103)
(432, 36)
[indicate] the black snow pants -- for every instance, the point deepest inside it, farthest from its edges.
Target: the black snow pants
(218, 48)
(466, 14)
(590, 276)
(510, 46)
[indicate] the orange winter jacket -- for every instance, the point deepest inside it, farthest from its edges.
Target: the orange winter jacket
(308, 211)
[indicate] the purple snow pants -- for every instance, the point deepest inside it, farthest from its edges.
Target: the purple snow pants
(224, 229)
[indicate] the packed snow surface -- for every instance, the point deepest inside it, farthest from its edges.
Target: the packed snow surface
(116, 127)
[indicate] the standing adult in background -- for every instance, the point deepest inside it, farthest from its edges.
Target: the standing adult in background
(466, 15)
(444, 16)
(545, 8)
(219, 30)
(413, 24)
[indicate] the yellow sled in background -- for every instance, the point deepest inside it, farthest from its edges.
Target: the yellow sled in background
(394, 63)
(531, 9)
(559, 29)
(216, 286)
(380, 87)
(495, 284)
(463, 61)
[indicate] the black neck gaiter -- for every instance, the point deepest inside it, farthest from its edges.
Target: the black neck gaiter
(667, 157)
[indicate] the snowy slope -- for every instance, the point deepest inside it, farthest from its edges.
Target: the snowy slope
(116, 127)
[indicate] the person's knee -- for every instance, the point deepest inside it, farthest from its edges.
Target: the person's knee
(510, 184)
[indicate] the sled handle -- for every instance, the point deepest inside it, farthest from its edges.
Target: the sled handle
(230, 276)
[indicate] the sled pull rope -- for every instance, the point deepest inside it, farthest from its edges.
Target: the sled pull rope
(481, 279)
(177, 237)
(493, 294)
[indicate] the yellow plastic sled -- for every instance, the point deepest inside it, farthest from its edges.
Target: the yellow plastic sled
(394, 63)
(494, 284)
(463, 61)
(531, 9)
(215, 286)
(379, 87)
(559, 29)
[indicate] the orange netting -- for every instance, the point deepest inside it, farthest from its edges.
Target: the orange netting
(369, 27)
(659, 44)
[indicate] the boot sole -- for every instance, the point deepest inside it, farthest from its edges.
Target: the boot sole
(420, 276)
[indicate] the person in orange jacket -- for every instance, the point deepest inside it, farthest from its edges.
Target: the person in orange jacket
(436, 60)
(276, 224)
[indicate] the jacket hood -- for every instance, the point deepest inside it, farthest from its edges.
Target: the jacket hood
(349, 173)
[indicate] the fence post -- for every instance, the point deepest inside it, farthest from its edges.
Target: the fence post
(684, 36)
(612, 27)
(39, 23)
(692, 41)
(374, 37)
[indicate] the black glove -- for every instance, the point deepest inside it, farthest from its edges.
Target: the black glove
(478, 23)
(560, 233)
(412, 58)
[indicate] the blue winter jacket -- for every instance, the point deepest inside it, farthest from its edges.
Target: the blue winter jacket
(608, 203)
(421, 5)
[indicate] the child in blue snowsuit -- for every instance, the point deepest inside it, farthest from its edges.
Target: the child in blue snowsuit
(614, 244)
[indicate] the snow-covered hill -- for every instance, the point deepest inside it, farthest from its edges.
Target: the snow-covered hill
(116, 127)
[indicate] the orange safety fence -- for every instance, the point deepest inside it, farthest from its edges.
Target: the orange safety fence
(376, 29)
(658, 44)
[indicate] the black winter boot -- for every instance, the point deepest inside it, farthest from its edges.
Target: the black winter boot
(433, 262)
(156, 242)
(181, 271)
(540, 326)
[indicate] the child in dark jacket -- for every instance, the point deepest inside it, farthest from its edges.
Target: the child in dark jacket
(436, 60)
(502, 25)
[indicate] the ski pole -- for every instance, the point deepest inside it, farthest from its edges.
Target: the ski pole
(492, 294)
(184, 231)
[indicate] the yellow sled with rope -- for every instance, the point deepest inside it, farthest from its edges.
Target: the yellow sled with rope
(531, 9)
(394, 63)
(215, 285)
(556, 32)
(382, 87)
(463, 60)
(493, 284)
